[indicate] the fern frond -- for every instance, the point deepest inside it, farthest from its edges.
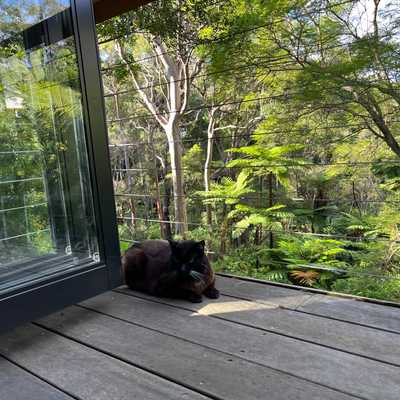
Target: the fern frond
(308, 278)
(276, 275)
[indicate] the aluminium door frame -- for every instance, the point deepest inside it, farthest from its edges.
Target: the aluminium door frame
(48, 294)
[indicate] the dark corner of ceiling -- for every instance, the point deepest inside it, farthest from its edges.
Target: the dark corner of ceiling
(106, 9)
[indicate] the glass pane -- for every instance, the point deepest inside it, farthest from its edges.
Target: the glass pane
(17, 15)
(47, 223)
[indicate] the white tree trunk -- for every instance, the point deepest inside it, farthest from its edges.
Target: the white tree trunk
(175, 72)
(207, 164)
(178, 182)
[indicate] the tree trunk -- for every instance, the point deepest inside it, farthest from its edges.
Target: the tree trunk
(207, 164)
(165, 226)
(175, 151)
(224, 231)
(270, 204)
(167, 232)
(372, 106)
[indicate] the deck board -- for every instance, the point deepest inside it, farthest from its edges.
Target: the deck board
(265, 294)
(257, 341)
(367, 342)
(359, 312)
(345, 309)
(17, 384)
(219, 374)
(340, 370)
(88, 374)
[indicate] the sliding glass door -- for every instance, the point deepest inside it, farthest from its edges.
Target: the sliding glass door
(57, 225)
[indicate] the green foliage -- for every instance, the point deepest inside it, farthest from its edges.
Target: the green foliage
(261, 160)
(385, 288)
(123, 246)
(304, 182)
(247, 217)
(193, 160)
(389, 175)
(229, 191)
(245, 261)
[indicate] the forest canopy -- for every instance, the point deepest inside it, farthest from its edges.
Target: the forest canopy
(269, 128)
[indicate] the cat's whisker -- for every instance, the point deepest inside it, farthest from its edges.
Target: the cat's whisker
(198, 276)
(194, 275)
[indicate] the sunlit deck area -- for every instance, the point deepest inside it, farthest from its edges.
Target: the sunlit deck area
(258, 341)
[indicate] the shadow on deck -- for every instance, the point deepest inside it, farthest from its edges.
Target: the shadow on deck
(256, 342)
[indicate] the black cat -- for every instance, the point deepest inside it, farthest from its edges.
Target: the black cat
(177, 269)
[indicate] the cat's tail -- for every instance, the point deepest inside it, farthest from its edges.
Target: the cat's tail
(211, 291)
(133, 267)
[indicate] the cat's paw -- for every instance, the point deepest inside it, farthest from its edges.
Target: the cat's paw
(195, 298)
(211, 293)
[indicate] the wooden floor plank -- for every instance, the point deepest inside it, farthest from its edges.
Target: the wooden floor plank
(374, 315)
(221, 375)
(346, 309)
(17, 384)
(268, 294)
(84, 372)
(352, 374)
(368, 342)
(228, 349)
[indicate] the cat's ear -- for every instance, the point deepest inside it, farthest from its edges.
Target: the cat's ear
(202, 243)
(173, 244)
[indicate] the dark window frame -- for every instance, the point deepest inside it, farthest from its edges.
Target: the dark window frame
(26, 302)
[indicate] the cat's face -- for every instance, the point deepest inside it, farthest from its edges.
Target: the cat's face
(190, 254)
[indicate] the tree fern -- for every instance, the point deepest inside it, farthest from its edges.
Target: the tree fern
(260, 160)
(229, 191)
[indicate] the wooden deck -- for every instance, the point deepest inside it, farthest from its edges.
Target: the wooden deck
(256, 342)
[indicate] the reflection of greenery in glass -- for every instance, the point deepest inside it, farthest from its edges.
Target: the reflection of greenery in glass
(40, 122)
(45, 189)
(36, 90)
(17, 15)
